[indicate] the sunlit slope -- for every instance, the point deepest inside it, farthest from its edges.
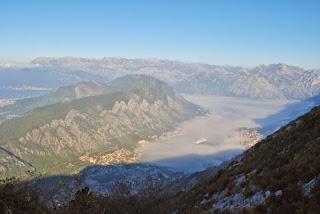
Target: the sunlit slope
(102, 129)
(62, 94)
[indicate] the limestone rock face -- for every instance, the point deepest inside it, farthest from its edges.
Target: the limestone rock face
(103, 129)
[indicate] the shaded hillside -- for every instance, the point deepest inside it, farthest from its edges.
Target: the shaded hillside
(289, 112)
(102, 129)
(281, 174)
(102, 180)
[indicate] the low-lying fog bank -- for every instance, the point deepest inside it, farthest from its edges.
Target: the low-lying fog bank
(210, 140)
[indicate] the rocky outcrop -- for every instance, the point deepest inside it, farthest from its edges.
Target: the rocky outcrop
(249, 137)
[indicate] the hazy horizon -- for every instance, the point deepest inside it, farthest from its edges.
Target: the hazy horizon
(29, 62)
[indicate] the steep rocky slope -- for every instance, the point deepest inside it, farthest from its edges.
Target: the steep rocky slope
(278, 81)
(101, 129)
(280, 174)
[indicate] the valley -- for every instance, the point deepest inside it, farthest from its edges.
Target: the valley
(233, 125)
(223, 128)
(135, 134)
(160, 107)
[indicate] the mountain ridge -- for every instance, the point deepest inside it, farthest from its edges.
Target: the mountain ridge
(61, 94)
(274, 81)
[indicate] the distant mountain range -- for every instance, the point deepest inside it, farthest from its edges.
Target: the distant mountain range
(89, 123)
(21, 82)
(278, 81)
(62, 94)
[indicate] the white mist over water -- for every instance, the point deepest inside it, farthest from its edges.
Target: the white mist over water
(227, 114)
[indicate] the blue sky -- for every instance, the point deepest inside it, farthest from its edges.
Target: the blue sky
(234, 32)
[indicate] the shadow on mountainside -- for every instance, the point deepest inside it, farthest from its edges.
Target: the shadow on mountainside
(290, 112)
(104, 180)
(192, 163)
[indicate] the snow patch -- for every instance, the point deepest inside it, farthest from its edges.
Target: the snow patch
(308, 188)
(240, 179)
(238, 201)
